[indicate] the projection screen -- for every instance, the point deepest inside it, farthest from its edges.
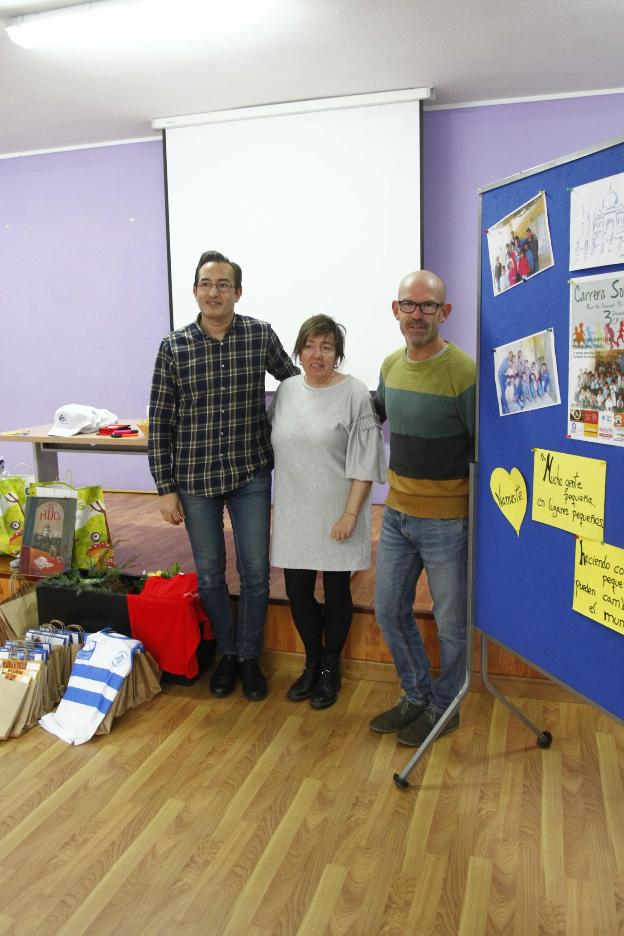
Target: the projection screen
(318, 201)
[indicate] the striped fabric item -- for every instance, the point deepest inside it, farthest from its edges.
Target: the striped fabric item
(96, 678)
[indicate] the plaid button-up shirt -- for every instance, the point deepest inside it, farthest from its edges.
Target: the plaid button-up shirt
(208, 431)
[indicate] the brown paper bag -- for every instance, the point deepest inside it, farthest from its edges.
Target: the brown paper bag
(54, 683)
(32, 672)
(146, 678)
(140, 685)
(18, 614)
(13, 693)
(47, 693)
(117, 709)
(32, 709)
(64, 653)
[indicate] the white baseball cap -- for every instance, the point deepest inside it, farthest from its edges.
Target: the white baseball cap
(103, 417)
(74, 418)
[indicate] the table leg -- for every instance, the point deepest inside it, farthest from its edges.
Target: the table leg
(46, 463)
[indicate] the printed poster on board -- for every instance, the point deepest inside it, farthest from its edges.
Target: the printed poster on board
(596, 371)
(597, 223)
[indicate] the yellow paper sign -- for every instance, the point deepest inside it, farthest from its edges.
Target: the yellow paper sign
(569, 492)
(599, 583)
(510, 495)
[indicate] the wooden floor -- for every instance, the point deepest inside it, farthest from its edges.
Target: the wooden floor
(228, 818)
(206, 817)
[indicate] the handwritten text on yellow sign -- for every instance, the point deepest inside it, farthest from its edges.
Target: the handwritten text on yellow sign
(599, 583)
(569, 492)
(510, 494)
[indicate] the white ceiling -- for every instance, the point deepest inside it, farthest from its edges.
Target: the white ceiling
(475, 50)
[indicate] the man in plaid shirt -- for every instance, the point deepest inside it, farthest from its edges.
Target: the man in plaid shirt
(210, 448)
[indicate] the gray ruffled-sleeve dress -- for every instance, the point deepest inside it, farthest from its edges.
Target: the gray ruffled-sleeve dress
(323, 438)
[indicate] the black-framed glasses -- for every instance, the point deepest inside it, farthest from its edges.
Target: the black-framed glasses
(426, 308)
(221, 285)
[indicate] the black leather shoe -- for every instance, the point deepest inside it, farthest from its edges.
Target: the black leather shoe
(223, 680)
(327, 687)
(254, 683)
(303, 687)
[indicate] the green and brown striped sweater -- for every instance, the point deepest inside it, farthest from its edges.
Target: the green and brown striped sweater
(430, 407)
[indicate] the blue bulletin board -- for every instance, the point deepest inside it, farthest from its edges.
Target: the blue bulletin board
(524, 583)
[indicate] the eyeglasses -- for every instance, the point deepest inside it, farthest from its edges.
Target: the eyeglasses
(221, 285)
(426, 308)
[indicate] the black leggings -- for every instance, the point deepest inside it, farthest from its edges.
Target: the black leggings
(314, 622)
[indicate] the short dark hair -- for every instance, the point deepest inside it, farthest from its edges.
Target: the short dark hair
(321, 325)
(213, 256)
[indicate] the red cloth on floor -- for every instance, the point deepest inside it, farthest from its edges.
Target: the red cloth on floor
(167, 617)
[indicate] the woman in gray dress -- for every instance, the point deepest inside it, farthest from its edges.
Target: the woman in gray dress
(328, 450)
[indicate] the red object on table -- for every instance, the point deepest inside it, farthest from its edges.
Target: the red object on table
(114, 427)
(169, 620)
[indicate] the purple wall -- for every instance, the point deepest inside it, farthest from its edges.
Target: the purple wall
(83, 288)
(469, 148)
(83, 293)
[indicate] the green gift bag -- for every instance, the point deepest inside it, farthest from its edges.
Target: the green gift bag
(92, 540)
(12, 503)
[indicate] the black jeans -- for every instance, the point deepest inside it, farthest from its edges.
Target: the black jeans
(320, 628)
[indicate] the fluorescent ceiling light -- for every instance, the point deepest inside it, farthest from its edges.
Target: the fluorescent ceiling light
(123, 22)
(73, 23)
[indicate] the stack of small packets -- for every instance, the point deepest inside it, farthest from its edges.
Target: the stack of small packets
(33, 675)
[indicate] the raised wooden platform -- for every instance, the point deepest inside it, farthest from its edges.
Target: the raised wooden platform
(144, 541)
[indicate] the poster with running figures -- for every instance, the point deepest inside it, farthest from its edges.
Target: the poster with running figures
(596, 370)
(597, 223)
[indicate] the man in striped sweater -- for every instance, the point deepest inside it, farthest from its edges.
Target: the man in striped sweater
(427, 393)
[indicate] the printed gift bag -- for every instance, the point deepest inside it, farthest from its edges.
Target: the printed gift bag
(49, 521)
(92, 542)
(12, 503)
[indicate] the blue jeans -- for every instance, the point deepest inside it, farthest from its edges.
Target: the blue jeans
(406, 546)
(250, 512)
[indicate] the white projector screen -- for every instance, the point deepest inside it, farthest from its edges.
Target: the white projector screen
(322, 210)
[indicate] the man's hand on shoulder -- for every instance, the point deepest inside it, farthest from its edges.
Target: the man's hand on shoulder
(171, 508)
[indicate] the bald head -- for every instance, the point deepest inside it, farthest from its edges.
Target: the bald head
(426, 279)
(420, 309)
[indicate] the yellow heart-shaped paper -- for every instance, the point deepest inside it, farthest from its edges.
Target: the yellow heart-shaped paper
(510, 495)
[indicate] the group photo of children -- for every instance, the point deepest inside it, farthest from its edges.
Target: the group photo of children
(519, 245)
(526, 374)
(600, 386)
